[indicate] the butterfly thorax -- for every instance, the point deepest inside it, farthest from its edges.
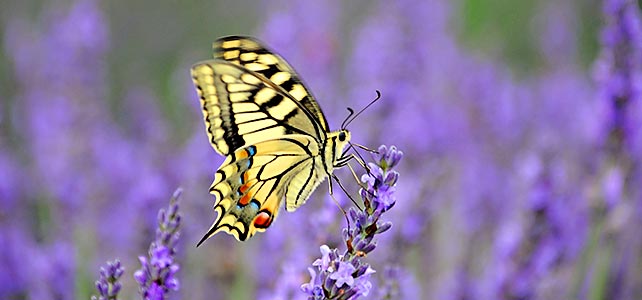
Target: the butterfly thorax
(335, 143)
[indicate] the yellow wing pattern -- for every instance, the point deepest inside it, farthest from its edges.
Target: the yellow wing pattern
(241, 108)
(252, 181)
(258, 113)
(251, 54)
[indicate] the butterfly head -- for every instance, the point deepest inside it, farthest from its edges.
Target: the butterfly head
(343, 136)
(338, 141)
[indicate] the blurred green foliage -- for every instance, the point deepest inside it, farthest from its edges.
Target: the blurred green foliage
(506, 27)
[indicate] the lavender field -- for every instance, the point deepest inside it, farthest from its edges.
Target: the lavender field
(520, 124)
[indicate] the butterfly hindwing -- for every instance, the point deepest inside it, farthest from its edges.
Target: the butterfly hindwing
(241, 108)
(254, 56)
(252, 181)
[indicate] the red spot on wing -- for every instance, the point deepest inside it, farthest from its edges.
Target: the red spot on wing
(244, 188)
(263, 220)
(246, 198)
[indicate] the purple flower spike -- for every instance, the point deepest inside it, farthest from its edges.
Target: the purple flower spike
(388, 157)
(108, 285)
(156, 277)
(346, 275)
(618, 72)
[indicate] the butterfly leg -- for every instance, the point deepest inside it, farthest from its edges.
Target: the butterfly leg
(330, 187)
(344, 161)
(354, 174)
(332, 192)
(346, 158)
(356, 178)
(345, 191)
(356, 156)
(365, 148)
(345, 214)
(335, 200)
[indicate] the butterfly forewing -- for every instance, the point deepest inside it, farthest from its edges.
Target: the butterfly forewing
(251, 54)
(241, 109)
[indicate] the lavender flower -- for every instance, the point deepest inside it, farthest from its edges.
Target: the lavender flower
(344, 275)
(619, 78)
(156, 277)
(108, 285)
(619, 70)
(541, 247)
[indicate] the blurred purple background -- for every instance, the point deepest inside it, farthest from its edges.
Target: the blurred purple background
(520, 124)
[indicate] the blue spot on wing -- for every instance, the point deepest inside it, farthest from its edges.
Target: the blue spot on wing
(254, 204)
(251, 150)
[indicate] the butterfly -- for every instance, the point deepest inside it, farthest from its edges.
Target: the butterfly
(278, 147)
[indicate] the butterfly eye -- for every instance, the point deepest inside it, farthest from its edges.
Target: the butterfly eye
(342, 136)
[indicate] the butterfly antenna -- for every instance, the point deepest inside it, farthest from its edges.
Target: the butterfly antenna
(357, 114)
(350, 113)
